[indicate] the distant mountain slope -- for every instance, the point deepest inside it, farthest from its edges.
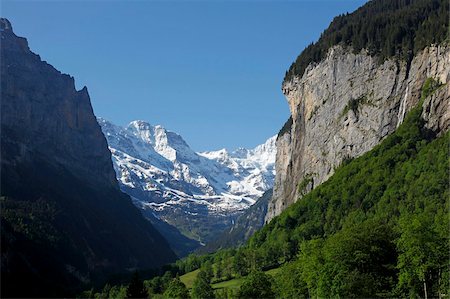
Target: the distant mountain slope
(179, 243)
(65, 223)
(243, 228)
(199, 193)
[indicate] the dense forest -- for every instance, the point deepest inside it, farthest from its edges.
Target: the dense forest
(385, 28)
(377, 228)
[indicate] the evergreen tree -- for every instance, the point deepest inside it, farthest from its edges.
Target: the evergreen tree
(136, 287)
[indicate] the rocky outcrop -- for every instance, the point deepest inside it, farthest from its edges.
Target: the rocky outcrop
(65, 224)
(345, 105)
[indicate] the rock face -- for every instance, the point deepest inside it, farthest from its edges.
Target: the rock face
(345, 105)
(44, 113)
(200, 194)
(65, 224)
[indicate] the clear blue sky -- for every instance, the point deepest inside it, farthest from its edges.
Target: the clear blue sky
(210, 71)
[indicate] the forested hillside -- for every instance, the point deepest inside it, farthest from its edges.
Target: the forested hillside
(385, 28)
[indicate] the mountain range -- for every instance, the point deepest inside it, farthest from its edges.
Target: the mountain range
(198, 193)
(349, 200)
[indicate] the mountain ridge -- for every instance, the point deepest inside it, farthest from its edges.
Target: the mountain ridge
(168, 179)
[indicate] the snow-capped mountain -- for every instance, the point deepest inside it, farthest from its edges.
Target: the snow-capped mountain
(199, 193)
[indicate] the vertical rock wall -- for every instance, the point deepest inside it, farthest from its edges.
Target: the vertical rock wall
(345, 105)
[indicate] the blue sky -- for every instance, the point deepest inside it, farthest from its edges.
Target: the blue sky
(208, 70)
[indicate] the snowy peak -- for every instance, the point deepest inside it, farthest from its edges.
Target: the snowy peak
(260, 158)
(168, 144)
(162, 173)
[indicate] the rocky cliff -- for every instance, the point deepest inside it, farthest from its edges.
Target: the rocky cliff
(344, 105)
(65, 224)
(43, 113)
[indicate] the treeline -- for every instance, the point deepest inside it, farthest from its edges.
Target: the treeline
(386, 28)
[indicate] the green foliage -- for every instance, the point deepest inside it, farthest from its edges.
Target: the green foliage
(429, 86)
(355, 262)
(115, 292)
(225, 293)
(207, 270)
(256, 285)
(307, 180)
(32, 219)
(176, 289)
(349, 232)
(423, 252)
(202, 288)
(386, 28)
(289, 283)
(136, 287)
(354, 105)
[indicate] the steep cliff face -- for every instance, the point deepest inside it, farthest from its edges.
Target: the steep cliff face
(65, 224)
(43, 113)
(346, 104)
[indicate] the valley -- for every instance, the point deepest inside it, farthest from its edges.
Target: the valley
(348, 200)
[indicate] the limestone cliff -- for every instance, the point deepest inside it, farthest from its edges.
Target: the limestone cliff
(346, 104)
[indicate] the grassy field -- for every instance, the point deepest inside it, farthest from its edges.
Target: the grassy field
(229, 284)
(273, 272)
(188, 278)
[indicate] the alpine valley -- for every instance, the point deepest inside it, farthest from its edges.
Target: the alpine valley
(348, 200)
(199, 194)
